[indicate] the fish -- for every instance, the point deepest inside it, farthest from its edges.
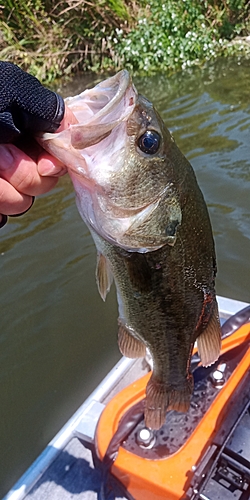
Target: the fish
(140, 199)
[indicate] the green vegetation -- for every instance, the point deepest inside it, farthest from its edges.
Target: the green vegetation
(180, 33)
(52, 38)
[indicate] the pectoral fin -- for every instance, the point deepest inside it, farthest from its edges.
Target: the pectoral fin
(209, 341)
(129, 345)
(104, 276)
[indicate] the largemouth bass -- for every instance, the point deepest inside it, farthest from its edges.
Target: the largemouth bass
(139, 197)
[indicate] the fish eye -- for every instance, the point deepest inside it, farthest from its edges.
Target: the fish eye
(149, 142)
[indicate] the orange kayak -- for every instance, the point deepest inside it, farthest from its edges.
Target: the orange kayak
(190, 453)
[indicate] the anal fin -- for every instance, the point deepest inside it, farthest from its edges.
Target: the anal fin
(161, 398)
(104, 276)
(129, 346)
(209, 341)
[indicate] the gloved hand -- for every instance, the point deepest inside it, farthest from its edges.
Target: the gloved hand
(25, 105)
(26, 108)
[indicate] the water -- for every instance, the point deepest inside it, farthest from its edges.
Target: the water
(57, 338)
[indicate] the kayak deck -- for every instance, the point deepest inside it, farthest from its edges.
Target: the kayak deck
(72, 475)
(65, 469)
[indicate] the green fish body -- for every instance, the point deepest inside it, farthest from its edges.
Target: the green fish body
(139, 197)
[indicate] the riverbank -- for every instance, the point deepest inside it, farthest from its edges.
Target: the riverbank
(53, 39)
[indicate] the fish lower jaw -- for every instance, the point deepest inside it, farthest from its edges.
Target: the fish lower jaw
(82, 183)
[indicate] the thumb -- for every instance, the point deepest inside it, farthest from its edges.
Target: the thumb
(47, 165)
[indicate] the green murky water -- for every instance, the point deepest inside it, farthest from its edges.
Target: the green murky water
(57, 337)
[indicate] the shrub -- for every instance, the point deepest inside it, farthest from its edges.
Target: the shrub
(173, 34)
(54, 38)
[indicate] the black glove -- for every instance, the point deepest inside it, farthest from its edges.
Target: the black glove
(25, 105)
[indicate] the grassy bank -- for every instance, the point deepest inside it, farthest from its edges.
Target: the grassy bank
(52, 38)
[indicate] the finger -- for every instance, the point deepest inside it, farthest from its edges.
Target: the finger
(21, 172)
(47, 165)
(22, 213)
(11, 201)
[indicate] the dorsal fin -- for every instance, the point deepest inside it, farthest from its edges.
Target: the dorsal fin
(129, 345)
(209, 341)
(104, 276)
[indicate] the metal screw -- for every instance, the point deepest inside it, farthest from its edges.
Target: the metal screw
(218, 376)
(145, 438)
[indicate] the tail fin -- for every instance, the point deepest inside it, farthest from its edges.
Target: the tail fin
(161, 398)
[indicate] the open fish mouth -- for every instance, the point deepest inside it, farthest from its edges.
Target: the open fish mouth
(101, 109)
(98, 112)
(103, 99)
